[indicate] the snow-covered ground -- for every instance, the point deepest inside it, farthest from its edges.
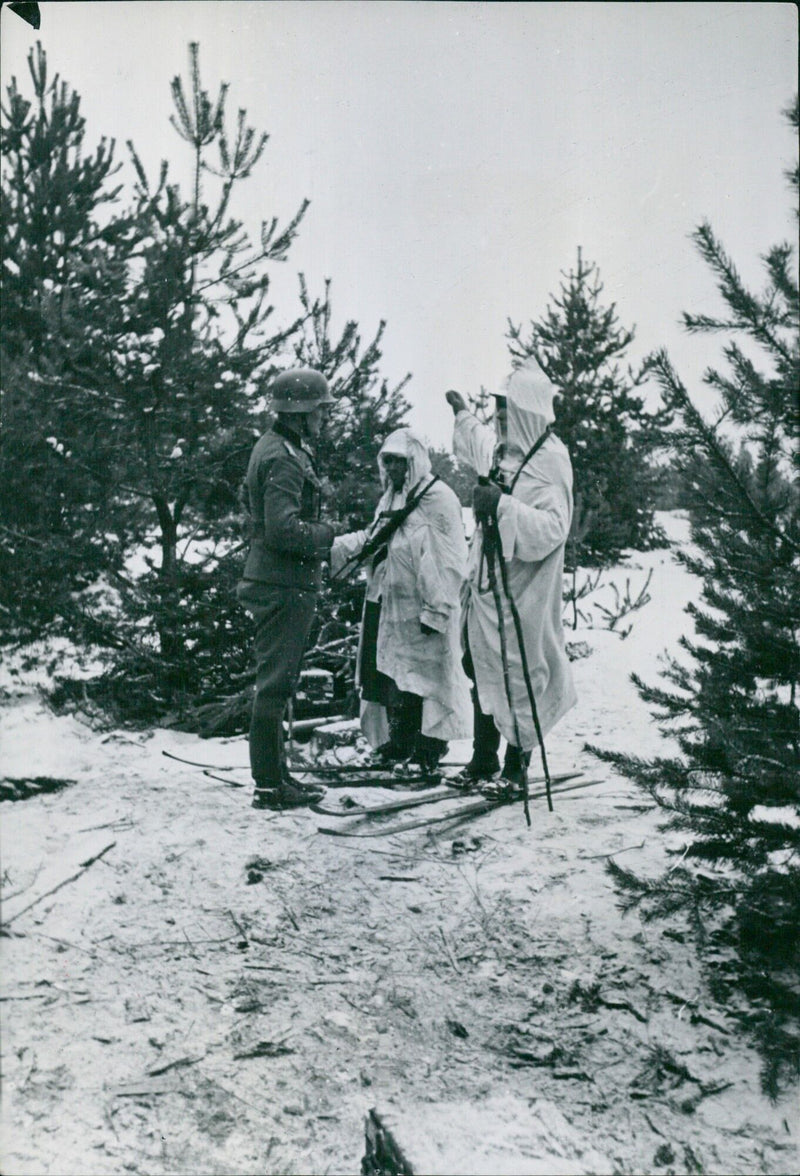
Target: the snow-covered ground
(224, 990)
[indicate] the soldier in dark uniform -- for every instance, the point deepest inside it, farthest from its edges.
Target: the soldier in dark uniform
(282, 576)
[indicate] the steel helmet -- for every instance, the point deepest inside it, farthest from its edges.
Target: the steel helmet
(299, 390)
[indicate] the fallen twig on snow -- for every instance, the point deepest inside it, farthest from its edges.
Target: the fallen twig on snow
(84, 866)
(264, 1049)
(238, 926)
(75, 946)
(447, 948)
(652, 1124)
(31, 996)
(359, 1008)
(693, 1101)
(625, 1005)
(289, 913)
(176, 942)
(588, 857)
(333, 980)
(695, 1015)
(117, 823)
(177, 1064)
(398, 854)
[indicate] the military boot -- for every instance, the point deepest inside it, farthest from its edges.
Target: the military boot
(515, 765)
(274, 787)
(428, 751)
(288, 794)
(484, 764)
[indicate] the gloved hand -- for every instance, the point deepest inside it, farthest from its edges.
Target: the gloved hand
(456, 401)
(427, 630)
(485, 500)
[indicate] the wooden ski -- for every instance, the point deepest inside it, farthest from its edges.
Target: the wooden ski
(464, 812)
(392, 782)
(325, 770)
(355, 769)
(214, 767)
(394, 806)
(225, 779)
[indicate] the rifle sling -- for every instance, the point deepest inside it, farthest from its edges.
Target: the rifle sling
(385, 533)
(533, 450)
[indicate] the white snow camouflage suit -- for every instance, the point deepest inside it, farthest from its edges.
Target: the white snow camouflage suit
(420, 581)
(533, 523)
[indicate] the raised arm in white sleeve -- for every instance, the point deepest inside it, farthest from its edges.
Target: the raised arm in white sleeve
(473, 442)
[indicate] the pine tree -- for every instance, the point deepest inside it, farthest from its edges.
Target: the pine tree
(187, 356)
(736, 788)
(195, 344)
(482, 405)
(600, 416)
(365, 410)
(458, 476)
(187, 351)
(60, 273)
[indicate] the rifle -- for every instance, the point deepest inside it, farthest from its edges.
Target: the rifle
(378, 542)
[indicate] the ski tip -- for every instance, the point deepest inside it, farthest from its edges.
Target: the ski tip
(224, 779)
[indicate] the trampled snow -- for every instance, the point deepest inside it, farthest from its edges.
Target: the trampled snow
(191, 986)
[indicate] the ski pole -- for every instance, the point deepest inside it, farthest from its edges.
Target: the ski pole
(526, 674)
(489, 549)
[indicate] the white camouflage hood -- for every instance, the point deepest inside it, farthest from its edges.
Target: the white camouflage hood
(530, 404)
(408, 444)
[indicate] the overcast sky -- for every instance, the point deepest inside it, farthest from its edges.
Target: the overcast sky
(457, 154)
